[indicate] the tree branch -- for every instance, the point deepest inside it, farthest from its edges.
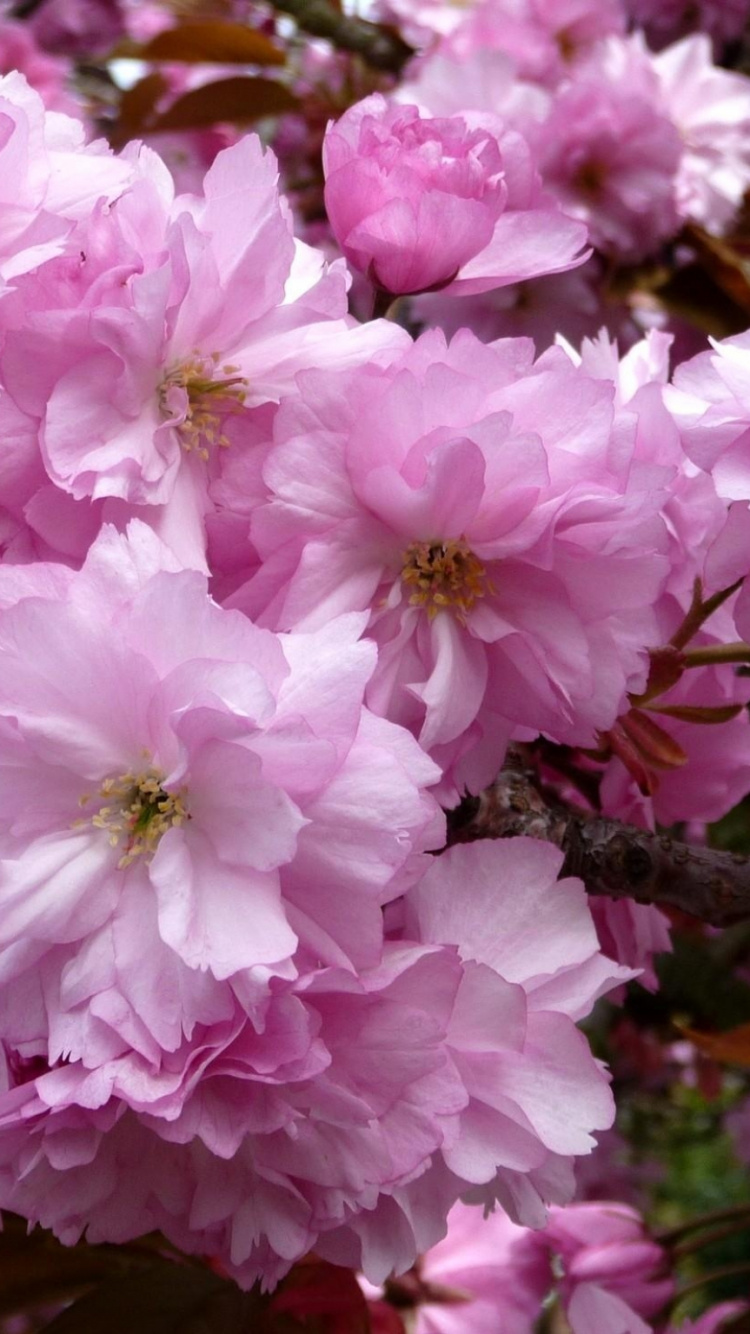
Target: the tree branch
(613, 859)
(378, 46)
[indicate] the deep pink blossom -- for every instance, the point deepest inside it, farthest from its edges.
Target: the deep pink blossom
(417, 202)
(667, 20)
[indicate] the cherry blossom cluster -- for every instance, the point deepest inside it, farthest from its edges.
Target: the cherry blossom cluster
(279, 589)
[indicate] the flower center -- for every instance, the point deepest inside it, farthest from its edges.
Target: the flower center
(204, 391)
(137, 812)
(591, 178)
(444, 575)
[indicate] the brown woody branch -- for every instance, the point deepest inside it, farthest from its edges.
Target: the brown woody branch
(378, 46)
(612, 858)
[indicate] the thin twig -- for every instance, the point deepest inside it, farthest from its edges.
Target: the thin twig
(379, 46)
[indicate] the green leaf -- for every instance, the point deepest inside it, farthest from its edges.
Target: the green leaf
(213, 42)
(238, 100)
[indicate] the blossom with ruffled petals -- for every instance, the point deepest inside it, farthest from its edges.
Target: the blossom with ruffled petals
(49, 179)
(167, 319)
(609, 151)
(711, 108)
(508, 556)
(417, 203)
(207, 1031)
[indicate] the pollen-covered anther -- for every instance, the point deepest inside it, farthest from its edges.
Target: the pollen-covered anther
(212, 391)
(444, 576)
(137, 812)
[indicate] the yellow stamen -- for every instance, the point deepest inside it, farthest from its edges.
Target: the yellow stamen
(137, 812)
(444, 576)
(213, 391)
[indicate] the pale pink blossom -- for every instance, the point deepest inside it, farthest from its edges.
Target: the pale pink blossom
(418, 203)
(709, 399)
(610, 152)
(596, 1261)
(545, 38)
(49, 178)
(206, 1032)
(167, 318)
(488, 599)
(710, 107)
(531, 968)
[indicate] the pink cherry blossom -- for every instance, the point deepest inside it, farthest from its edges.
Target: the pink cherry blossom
(488, 1274)
(231, 1052)
(710, 401)
(668, 20)
(488, 601)
(610, 152)
(531, 968)
(614, 1274)
(165, 320)
(79, 27)
(711, 108)
(49, 178)
(47, 74)
(418, 203)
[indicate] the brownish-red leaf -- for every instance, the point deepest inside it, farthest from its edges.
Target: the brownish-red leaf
(238, 100)
(213, 42)
(731, 1047)
(699, 713)
(729, 268)
(322, 1298)
(656, 746)
(137, 105)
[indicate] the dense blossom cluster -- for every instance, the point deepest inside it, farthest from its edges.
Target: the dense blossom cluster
(280, 588)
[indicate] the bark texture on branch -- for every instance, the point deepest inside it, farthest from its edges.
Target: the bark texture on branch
(378, 46)
(613, 858)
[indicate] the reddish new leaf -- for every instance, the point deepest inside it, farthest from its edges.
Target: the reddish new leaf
(217, 42)
(699, 713)
(238, 100)
(656, 747)
(731, 1047)
(137, 106)
(323, 1298)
